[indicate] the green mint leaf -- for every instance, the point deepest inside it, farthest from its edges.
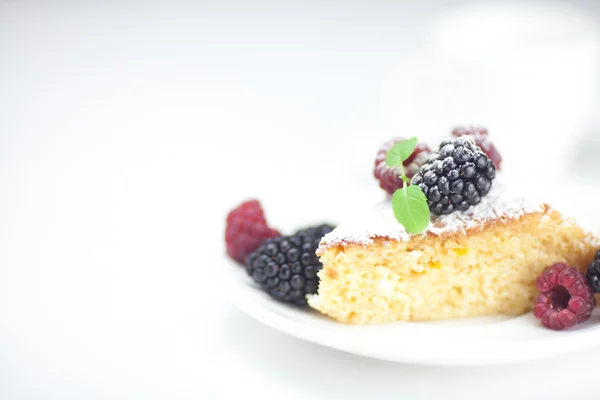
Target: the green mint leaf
(411, 209)
(400, 152)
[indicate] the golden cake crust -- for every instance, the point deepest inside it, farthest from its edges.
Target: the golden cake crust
(429, 236)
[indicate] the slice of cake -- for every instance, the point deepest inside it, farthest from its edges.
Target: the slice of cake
(478, 262)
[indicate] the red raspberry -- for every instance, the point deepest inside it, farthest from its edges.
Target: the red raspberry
(480, 135)
(565, 298)
(246, 230)
(389, 177)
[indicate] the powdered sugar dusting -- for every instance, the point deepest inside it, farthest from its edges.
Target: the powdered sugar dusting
(379, 222)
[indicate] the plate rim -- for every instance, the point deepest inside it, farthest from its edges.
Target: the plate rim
(247, 298)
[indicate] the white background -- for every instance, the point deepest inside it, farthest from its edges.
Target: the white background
(127, 131)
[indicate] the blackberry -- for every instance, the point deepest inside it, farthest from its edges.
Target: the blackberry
(389, 177)
(593, 273)
(565, 298)
(456, 177)
(481, 138)
(316, 231)
(286, 267)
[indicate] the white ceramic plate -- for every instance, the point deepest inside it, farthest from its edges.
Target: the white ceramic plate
(472, 341)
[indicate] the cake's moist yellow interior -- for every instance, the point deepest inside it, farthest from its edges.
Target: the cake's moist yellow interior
(484, 271)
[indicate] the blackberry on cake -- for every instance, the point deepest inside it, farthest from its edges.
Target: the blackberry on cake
(481, 137)
(455, 177)
(390, 177)
(286, 267)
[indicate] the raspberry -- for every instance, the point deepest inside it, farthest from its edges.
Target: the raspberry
(593, 273)
(286, 267)
(456, 177)
(246, 230)
(389, 177)
(565, 298)
(480, 135)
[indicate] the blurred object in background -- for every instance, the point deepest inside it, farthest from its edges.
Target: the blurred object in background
(527, 71)
(586, 157)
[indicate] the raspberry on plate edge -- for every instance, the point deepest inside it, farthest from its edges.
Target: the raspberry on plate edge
(565, 298)
(246, 230)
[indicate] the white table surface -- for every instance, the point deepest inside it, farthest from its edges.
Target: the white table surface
(127, 132)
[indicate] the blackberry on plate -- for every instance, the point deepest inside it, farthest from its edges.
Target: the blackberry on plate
(481, 138)
(389, 177)
(456, 177)
(565, 298)
(593, 273)
(286, 267)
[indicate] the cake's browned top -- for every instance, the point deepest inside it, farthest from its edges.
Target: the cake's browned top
(380, 224)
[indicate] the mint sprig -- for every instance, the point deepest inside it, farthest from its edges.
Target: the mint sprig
(409, 203)
(400, 153)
